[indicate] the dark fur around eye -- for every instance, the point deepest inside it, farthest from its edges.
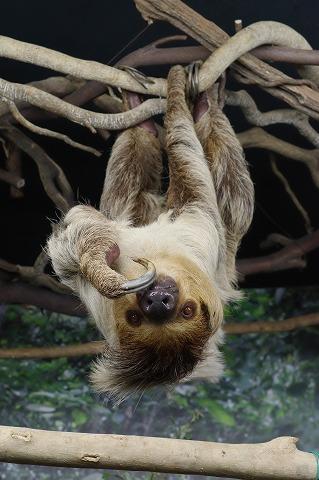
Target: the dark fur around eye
(134, 318)
(188, 310)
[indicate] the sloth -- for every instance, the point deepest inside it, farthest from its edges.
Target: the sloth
(165, 325)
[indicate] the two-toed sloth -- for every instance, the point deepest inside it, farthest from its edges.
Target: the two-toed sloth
(169, 330)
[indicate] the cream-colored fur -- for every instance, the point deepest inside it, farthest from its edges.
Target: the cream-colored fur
(189, 241)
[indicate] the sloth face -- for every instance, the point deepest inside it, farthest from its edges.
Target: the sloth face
(162, 331)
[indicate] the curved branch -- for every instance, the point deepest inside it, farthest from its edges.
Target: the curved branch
(242, 99)
(245, 40)
(258, 138)
(87, 118)
(58, 86)
(48, 133)
(288, 257)
(85, 69)
(52, 176)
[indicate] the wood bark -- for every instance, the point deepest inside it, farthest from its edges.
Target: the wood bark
(278, 459)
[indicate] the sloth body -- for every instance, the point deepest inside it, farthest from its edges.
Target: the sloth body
(170, 331)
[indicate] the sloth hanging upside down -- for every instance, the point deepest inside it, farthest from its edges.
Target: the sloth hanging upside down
(165, 325)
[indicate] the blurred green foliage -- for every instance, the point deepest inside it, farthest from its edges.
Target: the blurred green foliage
(270, 387)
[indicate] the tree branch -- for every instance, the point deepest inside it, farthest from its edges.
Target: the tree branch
(278, 458)
(211, 36)
(286, 258)
(258, 138)
(303, 212)
(299, 120)
(11, 179)
(52, 176)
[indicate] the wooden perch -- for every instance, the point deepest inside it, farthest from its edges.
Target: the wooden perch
(277, 459)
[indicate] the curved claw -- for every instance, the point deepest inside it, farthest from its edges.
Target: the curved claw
(140, 283)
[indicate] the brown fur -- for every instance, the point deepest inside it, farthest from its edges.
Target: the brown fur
(194, 241)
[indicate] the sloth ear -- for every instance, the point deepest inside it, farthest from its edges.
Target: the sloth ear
(212, 366)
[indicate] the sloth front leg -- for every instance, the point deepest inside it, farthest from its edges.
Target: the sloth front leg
(82, 248)
(133, 176)
(190, 184)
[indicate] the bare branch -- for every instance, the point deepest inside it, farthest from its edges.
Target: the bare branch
(292, 195)
(13, 165)
(48, 133)
(34, 276)
(87, 118)
(11, 179)
(242, 99)
(60, 62)
(52, 176)
(211, 36)
(278, 458)
(58, 86)
(288, 257)
(258, 138)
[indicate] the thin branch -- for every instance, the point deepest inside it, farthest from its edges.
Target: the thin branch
(33, 275)
(278, 458)
(292, 195)
(87, 118)
(258, 138)
(52, 176)
(11, 179)
(13, 165)
(97, 347)
(242, 99)
(48, 133)
(21, 293)
(288, 257)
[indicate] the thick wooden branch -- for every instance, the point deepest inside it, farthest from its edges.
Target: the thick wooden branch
(208, 34)
(277, 459)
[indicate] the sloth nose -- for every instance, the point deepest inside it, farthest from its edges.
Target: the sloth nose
(158, 303)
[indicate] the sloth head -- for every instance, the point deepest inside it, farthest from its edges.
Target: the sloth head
(162, 332)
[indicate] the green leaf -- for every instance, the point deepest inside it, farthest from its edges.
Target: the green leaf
(218, 412)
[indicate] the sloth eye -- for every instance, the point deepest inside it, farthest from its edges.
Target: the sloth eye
(188, 310)
(134, 318)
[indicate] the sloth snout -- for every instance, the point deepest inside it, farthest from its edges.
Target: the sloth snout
(158, 303)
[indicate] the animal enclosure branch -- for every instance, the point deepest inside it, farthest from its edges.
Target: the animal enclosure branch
(213, 67)
(256, 137)
(208, 34)
(277, 459)
(303, 212)
(48, 133)
(86, 118)
(299, 120)
(52, 176)
(11, 179)
(95, 348)
(291, 256)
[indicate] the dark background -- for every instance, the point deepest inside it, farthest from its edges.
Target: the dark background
(97, 31)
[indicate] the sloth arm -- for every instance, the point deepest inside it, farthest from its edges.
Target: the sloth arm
(191, 189)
